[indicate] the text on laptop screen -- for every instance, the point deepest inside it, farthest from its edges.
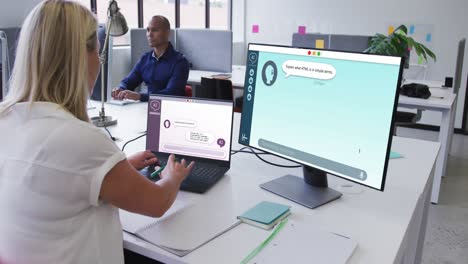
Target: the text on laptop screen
(190, 127)
(326, 109)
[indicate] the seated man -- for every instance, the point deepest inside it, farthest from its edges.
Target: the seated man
(163, 69)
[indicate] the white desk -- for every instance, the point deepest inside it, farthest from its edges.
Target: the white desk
(442, 100)
(447, 106)
(237, 76)
(389, 226)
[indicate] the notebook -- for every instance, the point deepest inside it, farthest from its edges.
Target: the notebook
(265, 214)
(184, 228)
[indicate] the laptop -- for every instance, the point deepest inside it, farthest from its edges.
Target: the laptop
(197, 130)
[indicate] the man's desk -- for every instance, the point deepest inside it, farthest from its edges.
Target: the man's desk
(442, 100)
(388, 226)
(237, 76)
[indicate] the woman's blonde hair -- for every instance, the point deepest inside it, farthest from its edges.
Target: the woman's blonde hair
(51, 61)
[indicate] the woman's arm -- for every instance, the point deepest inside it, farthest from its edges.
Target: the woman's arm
(125, 188)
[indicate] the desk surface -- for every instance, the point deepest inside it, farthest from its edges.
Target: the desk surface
(378, 221)
(237, 76)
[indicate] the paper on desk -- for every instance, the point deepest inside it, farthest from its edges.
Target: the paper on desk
(189, 227)
(298, 243)
(133, 223)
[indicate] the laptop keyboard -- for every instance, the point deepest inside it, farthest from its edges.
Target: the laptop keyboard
(200, 179)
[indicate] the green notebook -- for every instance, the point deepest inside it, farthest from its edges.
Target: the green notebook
(265, 214)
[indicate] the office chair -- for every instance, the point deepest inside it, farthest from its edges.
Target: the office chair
(214, 89)
(188, 91)
(407, 119)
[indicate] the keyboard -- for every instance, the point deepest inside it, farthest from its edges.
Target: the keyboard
(200, 179)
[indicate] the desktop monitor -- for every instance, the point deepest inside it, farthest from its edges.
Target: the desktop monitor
(330, 111)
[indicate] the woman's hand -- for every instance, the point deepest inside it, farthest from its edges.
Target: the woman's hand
(176, 170)
(142, 159)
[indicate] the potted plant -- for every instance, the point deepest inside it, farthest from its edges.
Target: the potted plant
(398, 43)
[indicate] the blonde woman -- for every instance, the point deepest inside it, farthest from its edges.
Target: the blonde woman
(62, 179)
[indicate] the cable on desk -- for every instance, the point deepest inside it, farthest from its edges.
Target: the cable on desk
(131, 140)
(251, 151)
(110, 135)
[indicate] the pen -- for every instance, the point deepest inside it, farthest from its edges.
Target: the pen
(265, 242)
(157, 172)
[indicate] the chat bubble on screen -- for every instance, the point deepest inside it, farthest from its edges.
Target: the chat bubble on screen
(307, 69)
(185, 123)
(199, 137)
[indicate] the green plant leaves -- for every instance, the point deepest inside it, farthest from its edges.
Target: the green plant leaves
(397, 44)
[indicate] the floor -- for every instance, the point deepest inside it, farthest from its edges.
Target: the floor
(447, 231)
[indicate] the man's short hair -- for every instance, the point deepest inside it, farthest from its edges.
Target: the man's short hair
(164, 21)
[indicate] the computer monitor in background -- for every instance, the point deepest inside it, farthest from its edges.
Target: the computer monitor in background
(330, 111)
(459, 65)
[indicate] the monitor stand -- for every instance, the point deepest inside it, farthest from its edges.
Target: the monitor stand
(312, 191)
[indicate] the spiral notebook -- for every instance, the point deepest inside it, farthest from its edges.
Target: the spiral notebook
(184, 228)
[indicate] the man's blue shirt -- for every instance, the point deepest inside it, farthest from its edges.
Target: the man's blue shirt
(167, 74)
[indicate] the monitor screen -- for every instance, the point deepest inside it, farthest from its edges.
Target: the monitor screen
(190, 127)
(324, 109)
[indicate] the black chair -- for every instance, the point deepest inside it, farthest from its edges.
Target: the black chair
(213, 88)
(407, 119)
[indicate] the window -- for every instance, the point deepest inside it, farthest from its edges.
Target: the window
(219, 14)
(192, 14)
(128, 8)
(158, 7)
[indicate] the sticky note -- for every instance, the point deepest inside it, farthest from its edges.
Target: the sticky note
(428, 37)
(255, 29)
(319, 44)
(390, 30)
(301, 30)
(395, 155)
(411, 29)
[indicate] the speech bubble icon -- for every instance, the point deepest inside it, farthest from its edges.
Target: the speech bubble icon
(221, 142)
(167, 123)
(307, 69)
(199, 137)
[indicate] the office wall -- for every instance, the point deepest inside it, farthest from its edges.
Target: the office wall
(448, 19)
(12, 13)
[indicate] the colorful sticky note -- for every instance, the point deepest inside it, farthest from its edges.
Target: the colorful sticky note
(301, 30)
(395, 155)
(390, 29)
(255, 29)
(319, 44)
(428, 37)
(411, 29)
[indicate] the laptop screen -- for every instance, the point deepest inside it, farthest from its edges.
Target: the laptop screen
(190, 127)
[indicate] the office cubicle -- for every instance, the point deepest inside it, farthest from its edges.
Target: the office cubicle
(206, 49)
(310, 40)
(353, 43)
(139, 43)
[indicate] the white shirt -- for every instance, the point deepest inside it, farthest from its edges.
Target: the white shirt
(51, 169)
